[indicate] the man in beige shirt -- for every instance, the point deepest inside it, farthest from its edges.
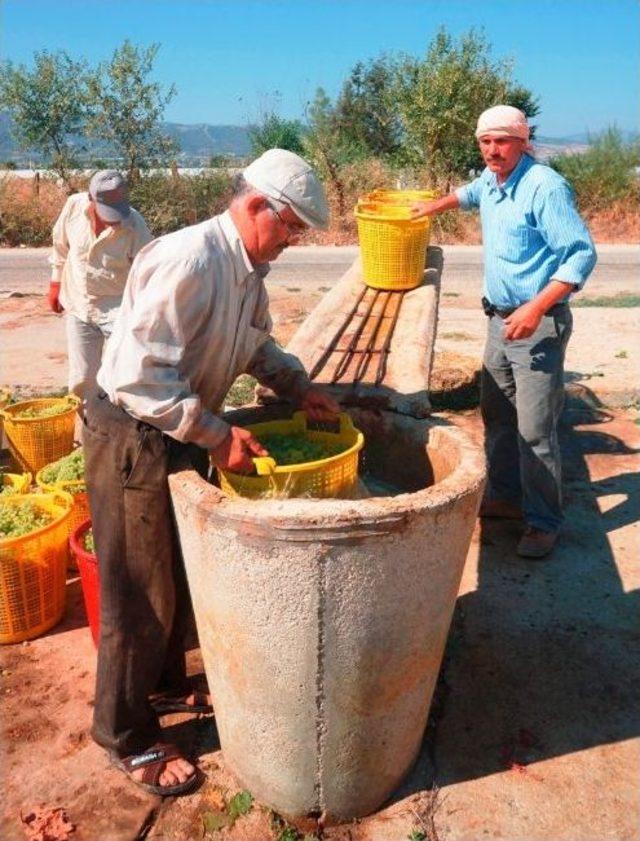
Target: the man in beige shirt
(194, 315)
(95, 240)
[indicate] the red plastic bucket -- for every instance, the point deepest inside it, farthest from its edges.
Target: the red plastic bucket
(89, 578)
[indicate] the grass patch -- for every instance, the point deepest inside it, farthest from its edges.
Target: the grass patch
(622, 299)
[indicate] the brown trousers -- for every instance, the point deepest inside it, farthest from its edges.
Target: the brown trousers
(145, 608)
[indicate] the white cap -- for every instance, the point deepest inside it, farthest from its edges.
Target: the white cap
(503, 121)
(287, 178)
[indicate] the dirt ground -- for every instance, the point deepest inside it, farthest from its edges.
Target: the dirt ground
(533, 733)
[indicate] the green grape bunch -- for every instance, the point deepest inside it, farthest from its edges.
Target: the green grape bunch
(43, 411)
(296, 448)
(89, 543)
(20, 519)
(67, 469)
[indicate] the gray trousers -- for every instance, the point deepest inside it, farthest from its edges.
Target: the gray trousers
(85, 343)
(522, 393)
(145, 609)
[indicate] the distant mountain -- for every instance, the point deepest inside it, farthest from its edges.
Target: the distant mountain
(205, 140)
(200, 141)
(546, 148)
(583, 138)
(197, 144)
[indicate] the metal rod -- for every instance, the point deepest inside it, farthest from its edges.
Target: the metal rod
(345, 361)
(370, 349)
(322, 361)
(385, 350)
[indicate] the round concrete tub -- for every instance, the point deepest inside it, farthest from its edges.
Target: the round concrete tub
(322, 623)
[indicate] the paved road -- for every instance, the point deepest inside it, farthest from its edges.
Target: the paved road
(25, 270)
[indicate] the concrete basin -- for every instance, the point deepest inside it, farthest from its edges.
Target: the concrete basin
(322, 623)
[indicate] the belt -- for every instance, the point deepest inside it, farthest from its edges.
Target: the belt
(490, 309)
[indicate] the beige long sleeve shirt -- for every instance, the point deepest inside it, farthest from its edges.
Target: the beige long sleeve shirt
(195, 315)
(93, 270)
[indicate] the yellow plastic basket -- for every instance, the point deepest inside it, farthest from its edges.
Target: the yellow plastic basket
(36, 442)
(393, 245)
(404, 197)
(80, 511)
(33, 571)
(15, 483)
(336, 476)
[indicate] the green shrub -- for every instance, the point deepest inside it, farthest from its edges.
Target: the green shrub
(604, 174)
(169, 202)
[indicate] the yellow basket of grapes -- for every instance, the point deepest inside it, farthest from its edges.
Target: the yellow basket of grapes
(40, 431)
(33, 563)
(67, 474)
(304, 462)
(14, 483)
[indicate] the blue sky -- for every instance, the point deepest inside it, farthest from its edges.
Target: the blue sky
(230, 60)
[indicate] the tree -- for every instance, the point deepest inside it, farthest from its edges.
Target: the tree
(47, 105)
(603, 174)
(327, 148)
(365, 112)
(274, 132)
(127, 108)
(440, 97)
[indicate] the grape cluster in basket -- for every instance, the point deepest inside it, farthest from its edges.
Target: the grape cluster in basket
(20, 519)
(67, 469)
(297, 448)
(42, 411)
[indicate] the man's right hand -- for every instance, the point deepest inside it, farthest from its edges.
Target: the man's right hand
(423, 208)
(53, 296)
(431, 208)
(237, 450)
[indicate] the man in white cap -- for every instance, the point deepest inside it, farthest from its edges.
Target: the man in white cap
(95, 240)
(537, 252)
(195, 315)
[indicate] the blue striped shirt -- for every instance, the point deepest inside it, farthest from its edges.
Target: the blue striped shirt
(531, 230)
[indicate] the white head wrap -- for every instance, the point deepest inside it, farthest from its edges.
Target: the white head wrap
(503, 121)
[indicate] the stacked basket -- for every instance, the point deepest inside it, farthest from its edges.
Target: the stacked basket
(76, 488)
(33, 568)
(393, 243)
(33, 563)
(87, 564)
(37, 440)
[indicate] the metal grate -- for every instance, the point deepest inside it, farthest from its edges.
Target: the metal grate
(365, 334)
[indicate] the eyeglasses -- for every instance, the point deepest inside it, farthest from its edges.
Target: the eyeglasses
(293, 231)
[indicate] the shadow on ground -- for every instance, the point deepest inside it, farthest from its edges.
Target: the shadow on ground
(540, 658)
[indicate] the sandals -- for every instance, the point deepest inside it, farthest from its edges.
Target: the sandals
(154, 761)
(178, 704)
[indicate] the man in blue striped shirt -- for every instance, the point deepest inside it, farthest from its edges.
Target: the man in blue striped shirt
(537, 253)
